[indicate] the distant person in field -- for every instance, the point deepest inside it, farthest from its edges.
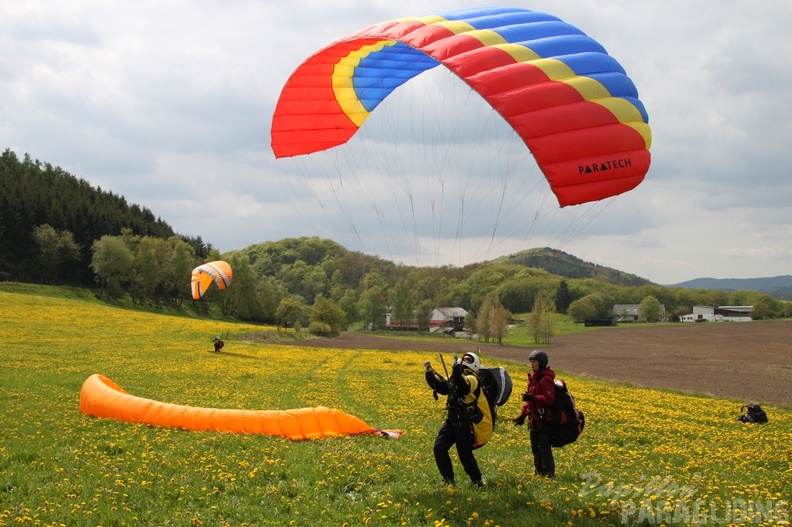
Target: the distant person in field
(218, 344)
(457, 428)
(537, 408)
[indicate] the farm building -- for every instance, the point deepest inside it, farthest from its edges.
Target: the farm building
(719, 314)
(448, 317)
(442, 319)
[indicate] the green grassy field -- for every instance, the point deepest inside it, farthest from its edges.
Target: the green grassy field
(646, 457)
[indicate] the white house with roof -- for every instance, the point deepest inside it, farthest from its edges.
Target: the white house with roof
(442, 318)
(719, 314)
(448, 317)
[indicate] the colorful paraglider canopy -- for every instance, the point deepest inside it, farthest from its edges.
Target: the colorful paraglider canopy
(569, 101)
(204, 275)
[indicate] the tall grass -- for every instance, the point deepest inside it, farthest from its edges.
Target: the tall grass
(646, 456)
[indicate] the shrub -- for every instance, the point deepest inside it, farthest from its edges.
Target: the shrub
(321, 329)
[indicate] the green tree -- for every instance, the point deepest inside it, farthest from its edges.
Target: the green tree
(650, 309)
(289, 311)
(593, 305)
(179, 271)
(663, 295)
(372, 308)
(499, 321)
(540, 321)
(562, 297)
(55, 248)
(472, 292)
(315, 283)
(327, 313)
(337, 286)
(348, 303)
(151, 270)
(402, 301)
(269, 293)
(764, 306)
(242, 292)
(483, 320)
(582, 309)
(424, 314)
(678, 311)
(112, 263)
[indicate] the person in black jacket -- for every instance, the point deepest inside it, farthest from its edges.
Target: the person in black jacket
(457, 429)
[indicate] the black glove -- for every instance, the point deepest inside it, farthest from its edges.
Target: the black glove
(519, 421)
(527, 396)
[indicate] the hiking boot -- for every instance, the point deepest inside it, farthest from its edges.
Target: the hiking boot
(478, 483)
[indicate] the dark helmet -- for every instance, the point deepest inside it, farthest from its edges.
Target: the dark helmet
(539, 356)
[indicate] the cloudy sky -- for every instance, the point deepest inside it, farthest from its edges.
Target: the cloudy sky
(169, 104)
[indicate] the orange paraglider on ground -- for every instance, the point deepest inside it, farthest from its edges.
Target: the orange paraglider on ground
(101, 397)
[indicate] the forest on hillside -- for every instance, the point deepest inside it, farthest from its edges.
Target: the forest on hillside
(57, 229)
(34, 193)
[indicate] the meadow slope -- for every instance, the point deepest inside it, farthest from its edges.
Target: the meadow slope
(646, 457)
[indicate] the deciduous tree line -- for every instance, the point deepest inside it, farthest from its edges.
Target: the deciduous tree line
(274, 284)
(55, 228)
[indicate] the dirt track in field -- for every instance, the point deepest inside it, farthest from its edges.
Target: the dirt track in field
(747, 361)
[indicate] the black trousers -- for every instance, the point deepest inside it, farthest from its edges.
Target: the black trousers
(544, 464)
(458, 434)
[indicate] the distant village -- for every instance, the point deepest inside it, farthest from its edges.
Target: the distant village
(452, 319)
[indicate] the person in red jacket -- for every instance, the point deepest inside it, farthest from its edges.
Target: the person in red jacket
(538, 408)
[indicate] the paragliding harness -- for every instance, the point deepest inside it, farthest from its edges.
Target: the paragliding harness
(567, 422)
(493, 389)
(752, 413)
(497, 385)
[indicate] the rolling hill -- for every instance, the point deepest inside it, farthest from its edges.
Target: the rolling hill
(779, 287)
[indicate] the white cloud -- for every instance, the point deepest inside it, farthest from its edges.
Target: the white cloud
(170, 104)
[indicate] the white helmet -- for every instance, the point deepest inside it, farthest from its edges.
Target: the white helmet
(471, 360)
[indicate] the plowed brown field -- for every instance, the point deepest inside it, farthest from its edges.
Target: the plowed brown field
(748, 361)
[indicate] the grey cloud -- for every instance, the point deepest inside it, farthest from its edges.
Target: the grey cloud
(158, 102)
